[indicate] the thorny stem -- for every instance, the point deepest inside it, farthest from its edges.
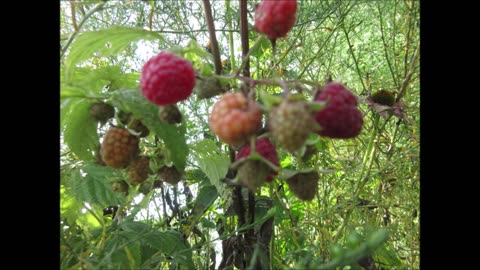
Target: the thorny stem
(213, 38)
(244, 38)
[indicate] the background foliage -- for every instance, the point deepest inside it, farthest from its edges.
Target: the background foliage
(367, 204)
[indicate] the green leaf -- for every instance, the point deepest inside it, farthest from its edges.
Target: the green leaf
(92, 184)
(81, 131)
(66, 106)
(67, 91)
(264, 47)
(70, 208)
(388, 257)
(206, 196)
(212, 162)
(105, 42)
(171, 243)
(173, 136)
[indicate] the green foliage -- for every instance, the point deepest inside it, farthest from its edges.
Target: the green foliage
(368, 186)
(173, 136)
(205, 198)
(80, 129)
(105, 42)
(92, 183)
(69, 206)
(212, 162)
(171, 244)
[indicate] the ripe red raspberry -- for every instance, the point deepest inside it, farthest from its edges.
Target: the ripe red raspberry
(119, 147)
(167, 79)
(234, 119)
(275, 18)
(290, 124)
(266, 149)
(340, 118)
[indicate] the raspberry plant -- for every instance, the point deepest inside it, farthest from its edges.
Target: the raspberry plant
(266, 149)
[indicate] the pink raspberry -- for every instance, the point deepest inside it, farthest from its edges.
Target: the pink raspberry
(340, 118)
(234, 118)
(266, 149)
(275, 18)
(167, 79)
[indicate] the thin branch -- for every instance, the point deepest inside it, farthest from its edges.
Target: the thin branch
(402, 91)
(382, 35)
(350, 47)
(96, 8)
(307, 66)
(213, 38)
(74, 19)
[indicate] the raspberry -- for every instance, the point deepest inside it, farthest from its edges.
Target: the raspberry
(275, 18)
(118, 147)
(138, 170)
(167, 79)
(383, 97)
(170, 175)
(340, 118)
(290, 124)
(234, 119)
(266, 149)
(208, 87)
(304, 185)
(101, 112)
(170, 114)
